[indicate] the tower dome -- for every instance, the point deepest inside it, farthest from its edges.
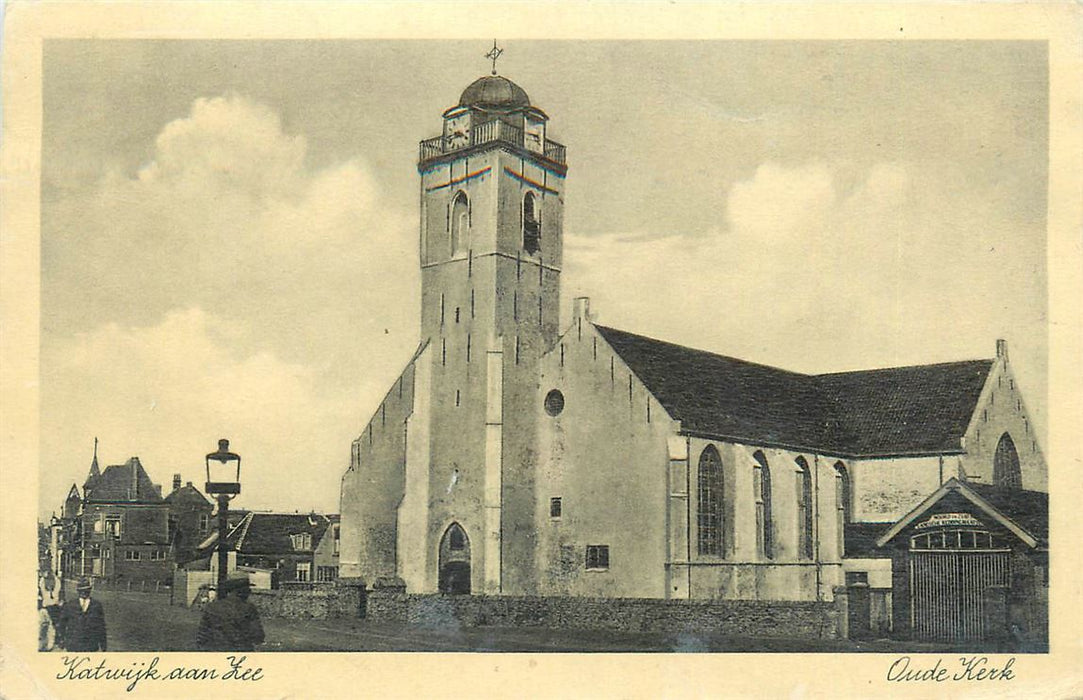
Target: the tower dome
(494, 91)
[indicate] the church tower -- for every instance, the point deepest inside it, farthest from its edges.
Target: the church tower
(490, 252)
(440, 488)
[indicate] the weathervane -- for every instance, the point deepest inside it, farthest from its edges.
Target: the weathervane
(494, 54)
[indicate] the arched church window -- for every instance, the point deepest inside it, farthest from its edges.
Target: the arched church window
(804, 509)
(456, 538)
(1006, 464)
(709, 503)
(460, 223)
(531, 224)
(761, 485)
(842, 502)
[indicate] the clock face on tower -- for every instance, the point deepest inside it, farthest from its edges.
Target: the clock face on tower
(458, 131)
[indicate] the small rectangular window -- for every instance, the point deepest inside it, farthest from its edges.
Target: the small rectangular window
(597, 556)
(555, 508)
(304, 570)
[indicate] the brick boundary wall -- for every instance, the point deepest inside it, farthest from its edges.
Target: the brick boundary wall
(338, 601)
(752, 618)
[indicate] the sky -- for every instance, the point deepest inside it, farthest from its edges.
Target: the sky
(229, 228)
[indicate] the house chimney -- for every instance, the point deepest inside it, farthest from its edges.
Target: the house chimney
(581, 308)
(1002, 349)
(135, 478)
(176, 482)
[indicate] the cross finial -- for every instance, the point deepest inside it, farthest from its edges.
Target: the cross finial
(494, 54)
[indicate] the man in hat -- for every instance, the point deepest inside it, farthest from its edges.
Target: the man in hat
(230, 622)
(83, 621)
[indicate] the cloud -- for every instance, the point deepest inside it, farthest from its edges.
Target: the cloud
(811, 268)
(228, 142)
(227, 216)
(225, 287)
(167, 392)
(778, 201)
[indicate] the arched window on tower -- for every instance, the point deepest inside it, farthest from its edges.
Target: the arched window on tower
(460, 224)
(761, 485)
(1006, 464)
(531, 224)
(842, 503)
(709, 503)
(804, 509)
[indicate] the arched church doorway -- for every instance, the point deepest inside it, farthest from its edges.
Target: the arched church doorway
(455, 561)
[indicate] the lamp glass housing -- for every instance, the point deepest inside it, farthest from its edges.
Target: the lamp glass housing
(223, 471)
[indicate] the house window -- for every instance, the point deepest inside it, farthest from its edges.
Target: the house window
(157, 555)
(456, 538)
(531, 224)
(204, 520)
(842, 503)
(804, 509)
(131, 555)
(326, 573)
(301, 541)
(304, 571)
(761, 485)
(709, 503)
(460, 223)
(555, 508)
(1006, 464)
(112, 526)
(338, 539)
(597, 556)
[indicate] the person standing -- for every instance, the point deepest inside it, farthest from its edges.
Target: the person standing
(48, 611)
(83, 622)
(230, 622)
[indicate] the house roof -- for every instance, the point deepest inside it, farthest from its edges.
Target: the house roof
(188, 494)
(901, 410)
(126, 482)
(1023, 513)
(269, 533)
(1028, 509)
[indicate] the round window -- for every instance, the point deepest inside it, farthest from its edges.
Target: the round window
(554, 402)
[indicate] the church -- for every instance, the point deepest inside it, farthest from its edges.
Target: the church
(516, 456)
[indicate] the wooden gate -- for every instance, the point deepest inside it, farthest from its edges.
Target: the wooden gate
(948, 586)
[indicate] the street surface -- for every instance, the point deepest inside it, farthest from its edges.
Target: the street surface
(146, 622)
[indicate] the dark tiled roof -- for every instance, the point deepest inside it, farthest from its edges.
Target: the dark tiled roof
(860, 540)
(126, 482)
(903, 409)
(1027, 509)
(269, 533)
(870, 412)
(187, 495)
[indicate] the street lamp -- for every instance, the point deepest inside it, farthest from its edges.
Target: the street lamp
(221, 485)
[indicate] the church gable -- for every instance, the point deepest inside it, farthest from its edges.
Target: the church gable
(603, 463)
(1001, 445)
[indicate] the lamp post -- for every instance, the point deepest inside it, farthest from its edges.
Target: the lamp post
(221, 485)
